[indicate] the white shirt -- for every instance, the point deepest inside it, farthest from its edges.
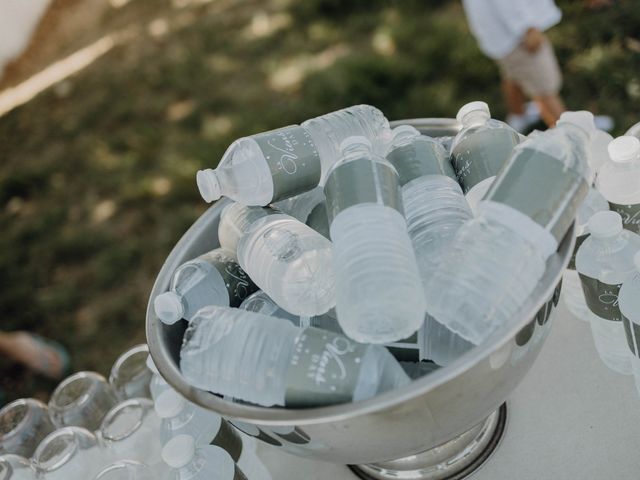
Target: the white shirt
(500, 25)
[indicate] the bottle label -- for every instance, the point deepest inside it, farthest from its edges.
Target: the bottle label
(630, 215)
(421, 157)
(362, 181)
(324, 369)
(540, 186)
(292, 158)
(579, 241)
(632, 332)
(229, 439)
(481, 155)
(237, 282)
(318, 220)
(601, 298)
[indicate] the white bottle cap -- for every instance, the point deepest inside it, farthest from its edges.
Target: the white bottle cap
(624, 149)
(605, 224)
(581, 119)
(179, 451)
(355, 140)
(152, 366)
(168, 307)
(405, 130)
(208, 185)
(470, 108)
(169, 404)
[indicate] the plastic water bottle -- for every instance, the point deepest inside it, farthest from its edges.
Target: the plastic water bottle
(269, 361)
(300, 206)
(212, 278)
(180, 417)
(131, 429)
(619, 181)
(290, 262)
(260, 302)
(572, 292)
(379, 295)
(435, 208)
(70, 453)
(604, 261)
(157, 384)
(496, 260)
(15, 467)
(271, 166)
(599, 152)
(629, 303)
(480, 149)
(188, 462)
(236, 220)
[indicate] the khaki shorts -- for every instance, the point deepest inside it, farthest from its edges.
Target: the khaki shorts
(537, 73)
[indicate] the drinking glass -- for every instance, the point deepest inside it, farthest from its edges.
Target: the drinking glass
(23, 424)
(130, 376)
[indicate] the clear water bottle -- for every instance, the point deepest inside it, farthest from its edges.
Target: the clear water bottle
(260, 302)
(271, 166)
(619, 181)
(269, 361)
(572, 292)
(23, 424)
(130, 376)
(629, 303)
(212, 278)
(291, 262)
(604, 261)
(496, 260)
(300, 206)
(599, 152)
(82, 400)
(480, 149)
(180, 417)
(131, 430)
(379, 295)
(188, 462)
(157, 384)
(15, 467)
(70, 453)
(129, 470)
(236, 220)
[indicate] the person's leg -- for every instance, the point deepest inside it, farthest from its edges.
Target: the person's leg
(513, 96)
(551, 107)
(40, 355)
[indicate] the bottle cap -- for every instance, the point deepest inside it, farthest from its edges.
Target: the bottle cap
(605, 224)
(152, 366)
(168, 307)
(470, 108)
(624, 149)
(355, 140)
(208, 185)
(169, 404)
(179, 451)
(581, 119)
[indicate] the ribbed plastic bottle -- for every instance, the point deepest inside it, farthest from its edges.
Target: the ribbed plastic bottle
(379, 295)
(480, 149)
(604, 261)
(269, 361)
(496, 260)
(236, 220)
(212, 278)
(271, 166)
(180, 417)
(15, 467)
(571, 286)
(619, 181)
(435, 208)
(629, 303)
(260, 302)
(130, 431)
(188, 462)
(291, 262)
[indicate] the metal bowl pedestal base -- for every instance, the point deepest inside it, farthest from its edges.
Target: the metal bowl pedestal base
(453, 460)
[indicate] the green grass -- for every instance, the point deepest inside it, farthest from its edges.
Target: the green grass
(97, 178)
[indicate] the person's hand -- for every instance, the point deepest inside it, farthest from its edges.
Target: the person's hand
(533, 40)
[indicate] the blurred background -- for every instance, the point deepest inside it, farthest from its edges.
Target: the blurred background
(111, 106)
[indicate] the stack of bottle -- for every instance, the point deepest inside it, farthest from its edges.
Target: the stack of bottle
(132, 427)
(356, 246)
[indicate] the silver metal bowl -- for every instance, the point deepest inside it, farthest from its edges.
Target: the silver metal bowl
(440, 426)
